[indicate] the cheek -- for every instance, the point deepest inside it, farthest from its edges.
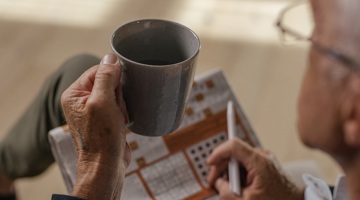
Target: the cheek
(307, 111)
(315, 110)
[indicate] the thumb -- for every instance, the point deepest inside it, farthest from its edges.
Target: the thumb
(107, 77)
(223, 187)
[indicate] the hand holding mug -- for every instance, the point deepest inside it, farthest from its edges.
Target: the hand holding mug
(96, 115)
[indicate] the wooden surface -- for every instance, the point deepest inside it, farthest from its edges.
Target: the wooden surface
(37, 36)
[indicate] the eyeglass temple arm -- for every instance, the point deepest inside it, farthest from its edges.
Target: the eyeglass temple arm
(336, 54)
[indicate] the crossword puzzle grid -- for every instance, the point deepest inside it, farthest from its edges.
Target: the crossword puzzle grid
(171, 178)
(134, 189)
(208, 96)
(200, 151)
(176, 176)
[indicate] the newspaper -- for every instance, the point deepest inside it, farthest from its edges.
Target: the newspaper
(172, 166)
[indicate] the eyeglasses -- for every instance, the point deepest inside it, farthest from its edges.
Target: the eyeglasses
(289, 35)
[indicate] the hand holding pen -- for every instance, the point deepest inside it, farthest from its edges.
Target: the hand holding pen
(263, 180)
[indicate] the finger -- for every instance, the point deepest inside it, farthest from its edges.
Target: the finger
(236, 148)
(216, 171)
(223, 187)
(85, 81)
(120, 101)
(119, 93)
(80, 88)
(124, 111)
(107, 77)
(266, 152)
(127, 155)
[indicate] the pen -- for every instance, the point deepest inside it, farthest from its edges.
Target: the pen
(234, 175)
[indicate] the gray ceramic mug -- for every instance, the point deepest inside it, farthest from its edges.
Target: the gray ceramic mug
(158, 58)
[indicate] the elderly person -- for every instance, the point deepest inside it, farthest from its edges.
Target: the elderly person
(329, 119)
(328, 107)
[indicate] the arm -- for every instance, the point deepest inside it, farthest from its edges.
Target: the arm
(96, 115)
(264, 181)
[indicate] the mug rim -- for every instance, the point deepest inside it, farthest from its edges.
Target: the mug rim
(157, 20)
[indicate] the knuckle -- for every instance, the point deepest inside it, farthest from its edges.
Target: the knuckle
(94, 106)
(106, 74)
(67, 102)
(237, 145)
(64, 98)
(260, 159)
(264, 162)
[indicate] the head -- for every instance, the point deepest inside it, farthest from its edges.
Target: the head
(329, 102)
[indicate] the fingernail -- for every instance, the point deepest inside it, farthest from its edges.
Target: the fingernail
(109, 59)
(218, 182)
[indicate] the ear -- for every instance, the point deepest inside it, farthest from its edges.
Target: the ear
(351, 124)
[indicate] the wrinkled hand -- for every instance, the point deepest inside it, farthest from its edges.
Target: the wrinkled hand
(264, 181)
(96, 115)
